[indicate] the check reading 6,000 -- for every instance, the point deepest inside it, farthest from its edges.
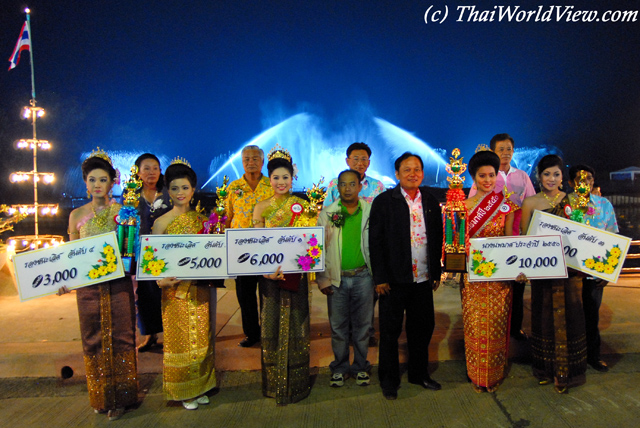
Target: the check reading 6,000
(266, 259)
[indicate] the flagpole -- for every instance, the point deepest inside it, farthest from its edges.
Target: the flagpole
(33, 79)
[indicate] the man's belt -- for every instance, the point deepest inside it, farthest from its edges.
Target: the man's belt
(354, 272)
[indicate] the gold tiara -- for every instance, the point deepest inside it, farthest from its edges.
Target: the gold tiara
(179, 160)
(483, 148)
(279, 152)
(97, 153)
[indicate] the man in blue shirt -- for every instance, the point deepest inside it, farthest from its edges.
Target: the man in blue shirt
(603, 217)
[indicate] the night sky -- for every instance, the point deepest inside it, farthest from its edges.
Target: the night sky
(201, 78)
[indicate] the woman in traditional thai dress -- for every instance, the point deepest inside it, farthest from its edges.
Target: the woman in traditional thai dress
(558, 338)
(188, 307)
(106, 310)
(285, 298)
(153, 202)
(486, 305)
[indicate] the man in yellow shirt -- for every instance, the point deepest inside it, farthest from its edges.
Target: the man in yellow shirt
(244, 193)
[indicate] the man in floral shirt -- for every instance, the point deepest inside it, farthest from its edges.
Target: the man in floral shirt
(244, 193)
(347, 280)
(358, 159)
(405, 243)
(599, 214)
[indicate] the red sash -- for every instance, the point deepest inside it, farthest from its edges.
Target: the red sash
(484, 211)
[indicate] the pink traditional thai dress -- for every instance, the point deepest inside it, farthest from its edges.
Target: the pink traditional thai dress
(486, 305)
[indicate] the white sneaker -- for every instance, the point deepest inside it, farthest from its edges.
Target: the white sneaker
(203, 399)
(336, 380)
(190, 405)
(362, 379)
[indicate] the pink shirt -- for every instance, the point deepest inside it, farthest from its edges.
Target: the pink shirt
(518, 182)
(418, 237)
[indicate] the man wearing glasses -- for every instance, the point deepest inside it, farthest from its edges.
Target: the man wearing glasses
(358, 159)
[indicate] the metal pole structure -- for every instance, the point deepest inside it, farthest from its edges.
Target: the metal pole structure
(34, 113)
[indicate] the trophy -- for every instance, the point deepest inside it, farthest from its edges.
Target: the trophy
(218, 218)
(456, 241)
(579, 206)
(128, 221)
(316, 195)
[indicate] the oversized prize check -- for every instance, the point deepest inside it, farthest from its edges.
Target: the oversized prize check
(74, 264)
(261, 251)
(182, 256)
(504, 258)
(593, 251)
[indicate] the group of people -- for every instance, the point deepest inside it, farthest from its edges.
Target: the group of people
(383, 245)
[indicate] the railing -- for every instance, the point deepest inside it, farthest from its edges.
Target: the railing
(632, 256)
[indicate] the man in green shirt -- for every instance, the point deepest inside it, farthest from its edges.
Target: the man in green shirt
(347, 280)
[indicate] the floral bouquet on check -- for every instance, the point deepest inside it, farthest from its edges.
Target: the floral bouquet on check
(456, 241)
(481, 266)
(106, 264)
(151, 265)
(606, 264)
(307, 261)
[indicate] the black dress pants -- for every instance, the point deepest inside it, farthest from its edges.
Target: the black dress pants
(246, 287)
(416, 299)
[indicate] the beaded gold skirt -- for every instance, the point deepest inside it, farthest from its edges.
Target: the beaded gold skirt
(107, 327)
(285, 342)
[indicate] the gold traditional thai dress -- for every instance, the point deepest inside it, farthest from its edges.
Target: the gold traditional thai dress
(189, 353)
(284, 324)
(486, 308)
(558, 338)
(107, 326)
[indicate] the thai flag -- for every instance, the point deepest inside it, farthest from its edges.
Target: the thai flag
(24, 43)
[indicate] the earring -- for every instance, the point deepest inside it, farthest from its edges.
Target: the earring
(291, 190)
(560, 186)
(110, 193)
(88, 194)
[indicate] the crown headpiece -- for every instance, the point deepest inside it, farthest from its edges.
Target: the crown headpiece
(279, 152)
(482, 148)
(179, 160)
(97, 153)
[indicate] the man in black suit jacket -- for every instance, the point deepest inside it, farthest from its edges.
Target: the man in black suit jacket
(405, 241)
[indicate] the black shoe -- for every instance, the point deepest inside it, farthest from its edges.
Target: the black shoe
(390, 394)
(599, 365)
(428, 383)
(520, 335)
(247, 342)
(152, 340)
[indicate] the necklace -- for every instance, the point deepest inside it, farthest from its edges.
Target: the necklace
(274, 203)
(551, 202)
(100, 222)
(151, 204)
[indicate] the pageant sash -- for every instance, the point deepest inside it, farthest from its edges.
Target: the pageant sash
(486, 209)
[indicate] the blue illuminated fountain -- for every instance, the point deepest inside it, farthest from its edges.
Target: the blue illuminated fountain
(320, 153)
(317, 154)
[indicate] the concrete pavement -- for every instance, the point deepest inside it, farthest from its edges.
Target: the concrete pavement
(40, 337)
